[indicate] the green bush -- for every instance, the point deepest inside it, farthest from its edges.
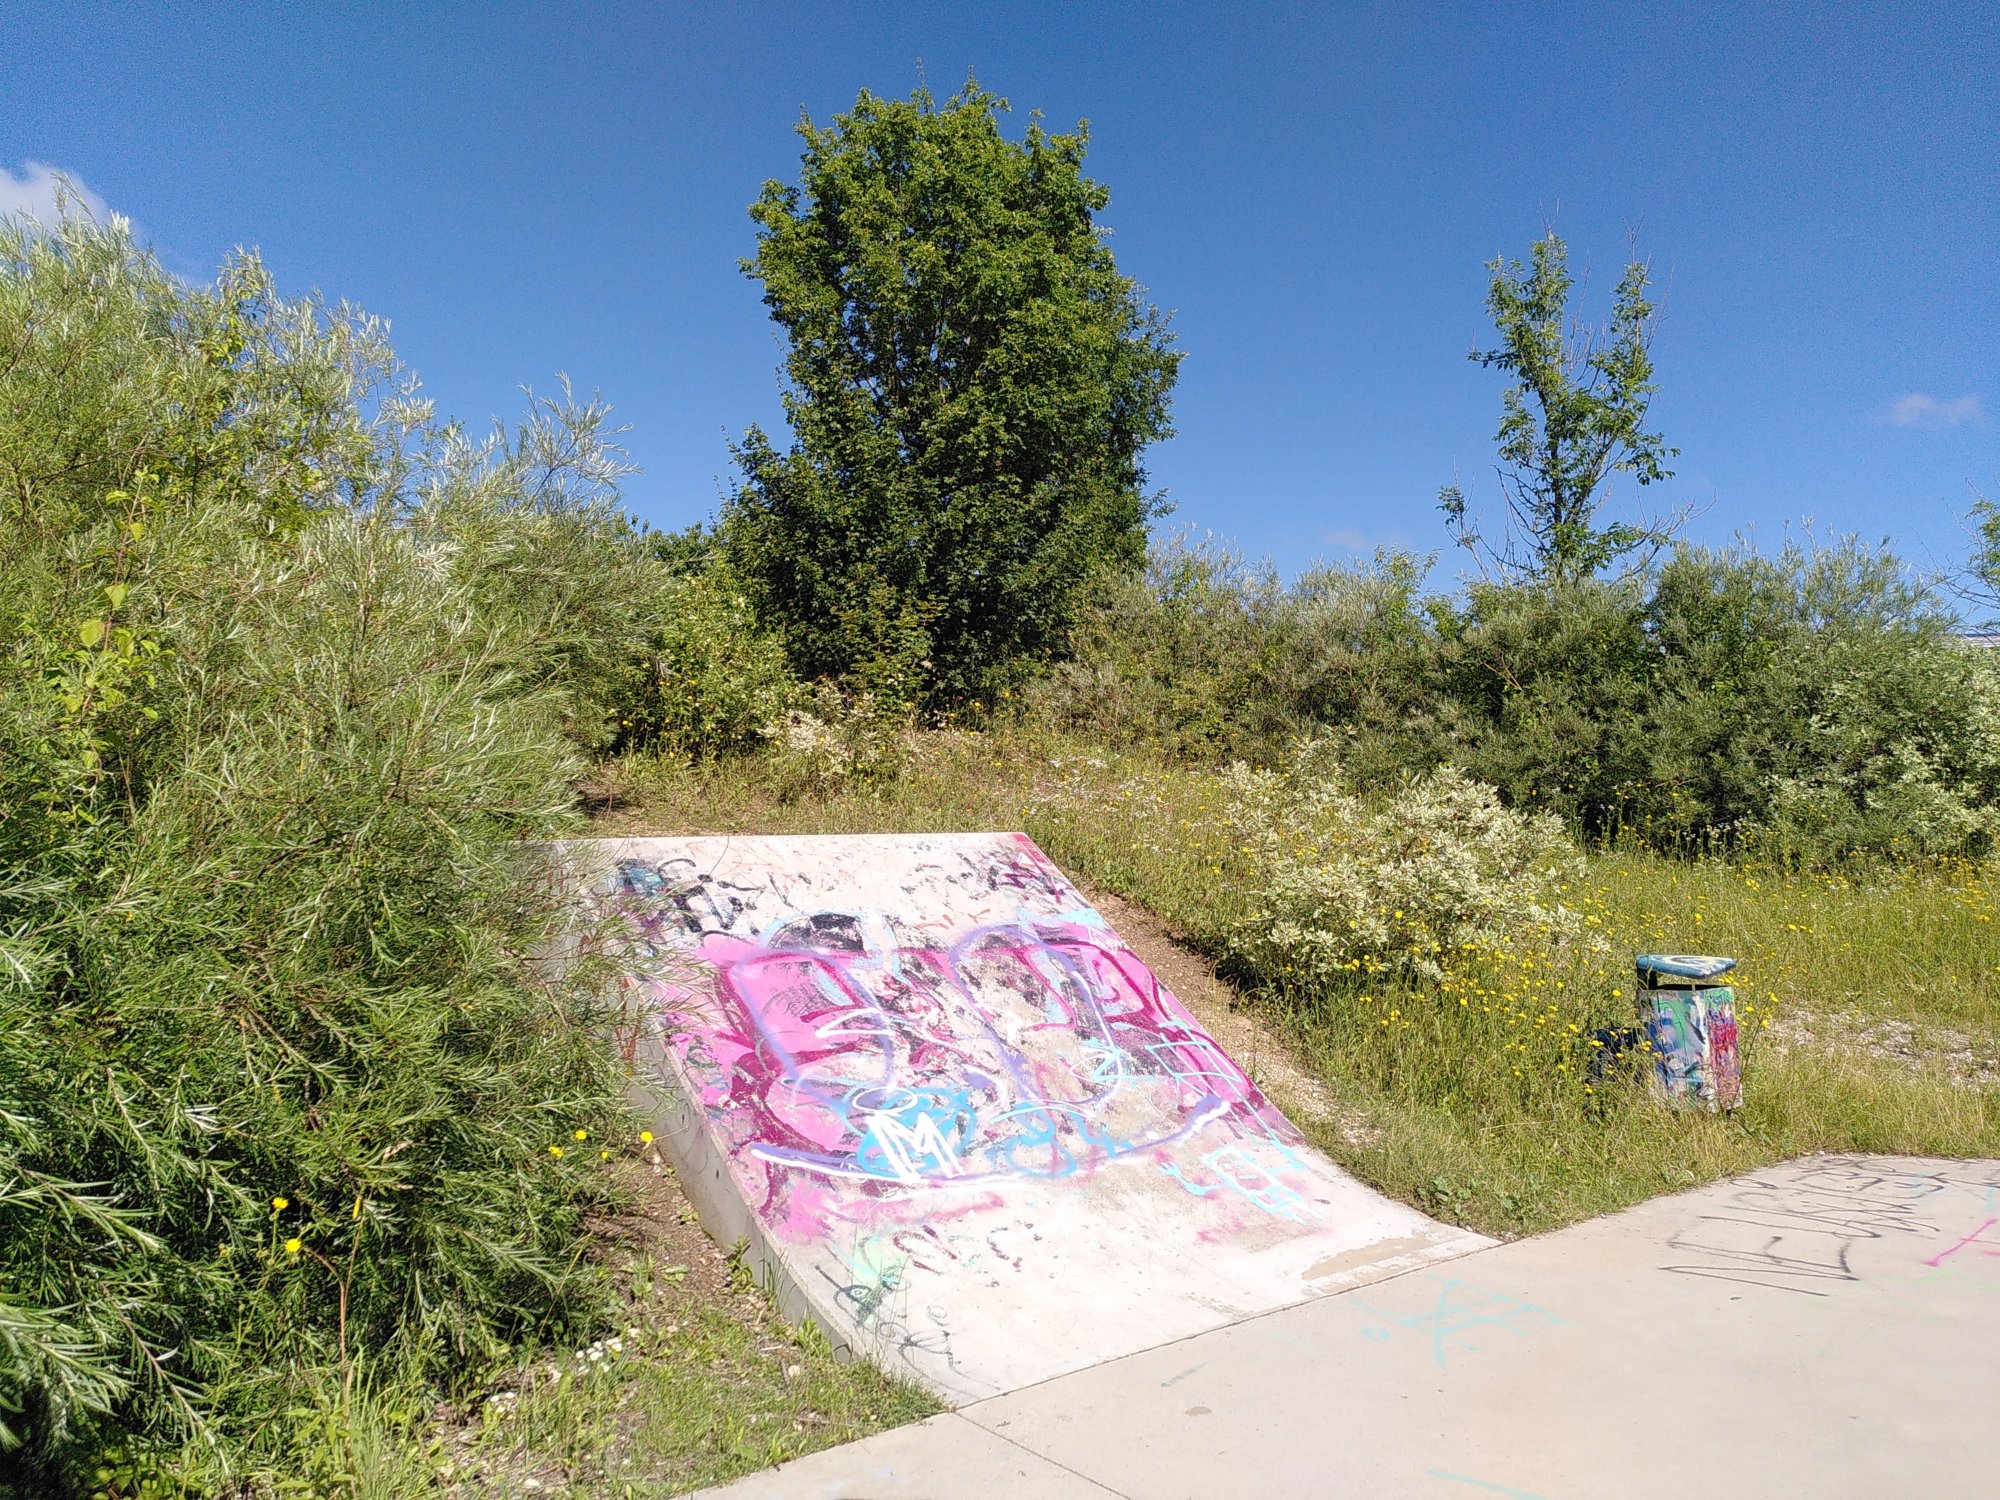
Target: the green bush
(1905, 760)
(1812, 703)
(711, 680)
(1541, 692)
(1178, 656)
(1361, 645)
(280, 725)
(1211, 658)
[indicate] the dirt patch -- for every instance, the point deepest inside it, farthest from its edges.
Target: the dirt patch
(1906, 1044)
(661, 1225)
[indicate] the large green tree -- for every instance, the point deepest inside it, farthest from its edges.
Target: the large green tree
(1573, 416)
(970, 385)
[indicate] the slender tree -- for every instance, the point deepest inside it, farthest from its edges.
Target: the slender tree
(1982, 580)
(1574, 416)
(970, 383)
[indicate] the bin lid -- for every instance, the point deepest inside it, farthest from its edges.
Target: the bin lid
(1684, 965)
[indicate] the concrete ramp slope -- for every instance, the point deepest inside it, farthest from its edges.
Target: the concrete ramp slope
(959, 1124)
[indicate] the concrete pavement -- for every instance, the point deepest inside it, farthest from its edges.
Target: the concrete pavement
(1829, 1327)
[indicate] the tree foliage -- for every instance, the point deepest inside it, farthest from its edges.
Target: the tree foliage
(1573, 417)
(1811, 701)
(1982, 581)
(970, 385)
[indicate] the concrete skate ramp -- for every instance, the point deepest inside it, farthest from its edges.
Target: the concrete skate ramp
(959, 1124)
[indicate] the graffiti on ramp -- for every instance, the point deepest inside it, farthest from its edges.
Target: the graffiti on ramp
(970, 1128)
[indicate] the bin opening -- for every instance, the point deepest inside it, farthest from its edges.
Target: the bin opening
(1681, 971)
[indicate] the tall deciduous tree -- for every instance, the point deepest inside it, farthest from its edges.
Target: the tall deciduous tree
(1573, 417)
(970, 385)
(1982, 583)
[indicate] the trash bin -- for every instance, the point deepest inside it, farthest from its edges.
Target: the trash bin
(1690, 1019)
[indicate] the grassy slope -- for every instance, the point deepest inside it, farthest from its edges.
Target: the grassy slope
(1465, 1108)
(1482, 1108)
(700, 1381)
(704, 1383)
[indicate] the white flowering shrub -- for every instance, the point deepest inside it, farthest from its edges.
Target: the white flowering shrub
(839, 740)
(1391, 885)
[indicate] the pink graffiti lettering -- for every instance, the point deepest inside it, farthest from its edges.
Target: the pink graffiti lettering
(846, 1053)
(1977, 1237)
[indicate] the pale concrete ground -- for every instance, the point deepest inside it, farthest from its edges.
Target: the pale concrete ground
(1830, 1327)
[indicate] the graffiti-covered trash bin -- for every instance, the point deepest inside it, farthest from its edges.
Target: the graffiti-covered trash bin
(1690, 1017)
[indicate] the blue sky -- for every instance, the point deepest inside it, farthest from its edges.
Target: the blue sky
(523, 190)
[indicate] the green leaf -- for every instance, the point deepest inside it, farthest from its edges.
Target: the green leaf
(116, 592)
(91, 632)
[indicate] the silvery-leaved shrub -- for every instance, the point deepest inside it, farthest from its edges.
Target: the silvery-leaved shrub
(292, 689)
(1927, 787)
(1393, 884)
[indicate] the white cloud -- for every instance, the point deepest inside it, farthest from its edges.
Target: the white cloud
(1353, 539)
(38, 191)
(1928, 412)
